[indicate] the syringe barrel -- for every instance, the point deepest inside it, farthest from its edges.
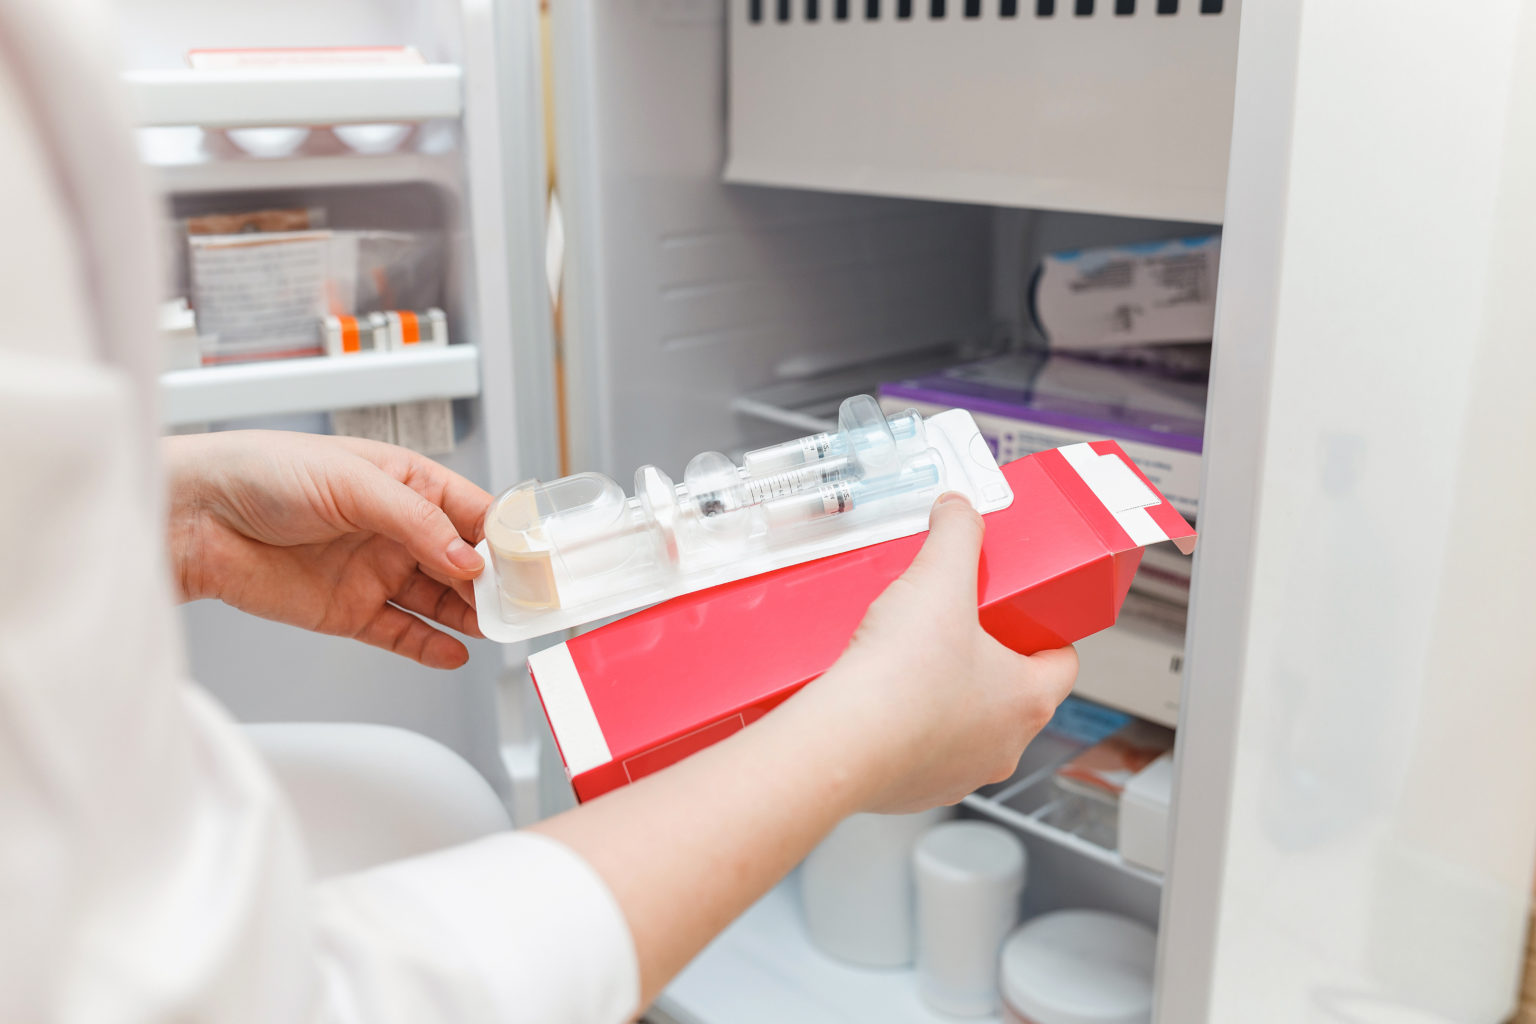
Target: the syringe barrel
(765, 488)
(922, 472)
(827, 500)
(906, 430)
(779, 457)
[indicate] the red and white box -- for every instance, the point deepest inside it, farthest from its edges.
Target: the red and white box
(644, 692)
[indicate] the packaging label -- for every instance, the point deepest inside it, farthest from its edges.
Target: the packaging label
(1085, 723)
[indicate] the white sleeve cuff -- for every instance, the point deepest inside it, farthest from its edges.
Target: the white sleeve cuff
(515, 927)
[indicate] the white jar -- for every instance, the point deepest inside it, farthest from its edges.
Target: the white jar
(970, 875)
(856, 888)
(1079, 967)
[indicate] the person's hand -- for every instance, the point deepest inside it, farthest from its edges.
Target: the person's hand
(937, 706)
(337, 535)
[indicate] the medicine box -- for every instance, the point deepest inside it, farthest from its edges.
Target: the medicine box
(636, 695)
(1102, 770)
(1165, 575)
(1144, 815)
(1031, 402)
(1142, 294)
(1137, 665)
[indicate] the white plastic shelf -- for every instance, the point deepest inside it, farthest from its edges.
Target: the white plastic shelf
(810, 404)
(317, 384)
(191, 172)
(290, 96)
(764, 970)
(1034, 823)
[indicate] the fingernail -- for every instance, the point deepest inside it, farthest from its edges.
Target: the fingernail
(949, 497)
(464, 556)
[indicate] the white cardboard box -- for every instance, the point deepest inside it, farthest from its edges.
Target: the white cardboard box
(1137, 664)
(1144, 805)
(1142, 294)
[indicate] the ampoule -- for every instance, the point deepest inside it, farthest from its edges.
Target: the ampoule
(842, 496)
(906, 428)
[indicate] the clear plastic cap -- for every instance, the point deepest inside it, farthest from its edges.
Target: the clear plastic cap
(533, 526)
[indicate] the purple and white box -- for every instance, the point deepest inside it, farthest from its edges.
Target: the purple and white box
(1029, 402)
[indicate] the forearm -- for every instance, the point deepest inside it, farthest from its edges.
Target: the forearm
(706, 838)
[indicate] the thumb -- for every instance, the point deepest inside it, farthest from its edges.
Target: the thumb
(380, 504)
(949, 557)
(1055, 672)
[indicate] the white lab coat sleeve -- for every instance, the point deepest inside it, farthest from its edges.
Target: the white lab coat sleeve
(517, 919)
(150, 870)
(157, 870)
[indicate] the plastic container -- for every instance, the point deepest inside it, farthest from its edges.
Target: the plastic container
(1078, 967)
(856, 888)
(970, 875)
(576, 550)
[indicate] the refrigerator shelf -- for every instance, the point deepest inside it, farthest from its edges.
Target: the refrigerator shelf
(1037, 820)
(292, 96)
(1030, 803)
(316, 384)
(183, 166)
(810, 403)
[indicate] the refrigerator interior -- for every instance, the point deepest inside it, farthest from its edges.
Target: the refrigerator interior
(702, 313)
(699, 314)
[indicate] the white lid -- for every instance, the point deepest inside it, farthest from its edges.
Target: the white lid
(971, 850)
(1080, 967)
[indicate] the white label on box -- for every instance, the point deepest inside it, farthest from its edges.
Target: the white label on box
(1136, 665)
(268, 288)
(1102, 298)
(371, 422)
(425, 427)
(1111, 479)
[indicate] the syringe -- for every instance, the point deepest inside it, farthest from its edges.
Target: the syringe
(923, 473)
(750, 490)
(906, 428)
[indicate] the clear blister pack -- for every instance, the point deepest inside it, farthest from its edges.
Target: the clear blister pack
(576, 550)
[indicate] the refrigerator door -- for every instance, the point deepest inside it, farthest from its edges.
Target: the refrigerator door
(473, 171)
(1356, 798)
(507, 179)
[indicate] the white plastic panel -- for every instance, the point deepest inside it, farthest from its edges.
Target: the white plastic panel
(1110, 106)
(236, 98)
(683, 292)
(282, 386)
(158, 33)
(1356, 802)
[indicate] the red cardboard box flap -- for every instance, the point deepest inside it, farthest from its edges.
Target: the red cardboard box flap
(640, 693)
